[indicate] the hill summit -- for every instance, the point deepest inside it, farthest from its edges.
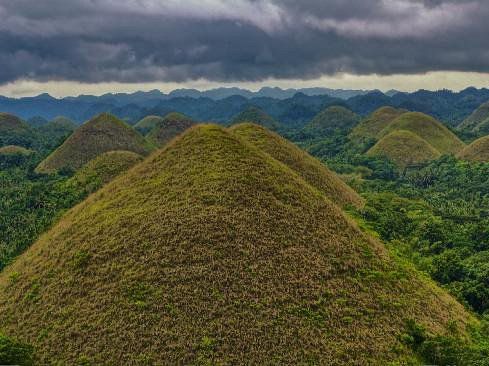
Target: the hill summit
(256, 115)
(172, 125)
(146, 124)
(99, 135)
(13, 131)
(331, 119)
(476, 151)
(371, 127)
(478, 121)
(310, 169)
(429, 129)
(404, 148)
(210, 251)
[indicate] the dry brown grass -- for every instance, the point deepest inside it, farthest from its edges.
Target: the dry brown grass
(101, 134)
(404, 148)
(476, 151)
(309, 168)
(212, 252)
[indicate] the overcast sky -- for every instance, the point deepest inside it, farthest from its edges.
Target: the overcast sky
(94, 46)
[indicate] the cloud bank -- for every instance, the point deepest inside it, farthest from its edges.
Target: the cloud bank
(137, 41)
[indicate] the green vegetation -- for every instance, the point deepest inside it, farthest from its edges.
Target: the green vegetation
(331, 119)
(290, 278)
(310, 169)
(171, 126)
(13, 131)
(370, 128)
(13, 352)
(101, 134)
(477, 151)
(478, 121)
(429, 129)
(14, 150)
(404, 148)
(256, 115)
(145, 125)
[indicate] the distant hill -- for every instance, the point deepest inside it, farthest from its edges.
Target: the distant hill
(13, 131)
(37, 121)
(99, 135)
(212, 252)
(311, 170)
(476, 151)
(102, 169)
(404, 148)
(14, 150)
(256, 115)
(429, 129)
(172, 125)
(146, 124)
(371, 127)
(331, 119)
(478, 121)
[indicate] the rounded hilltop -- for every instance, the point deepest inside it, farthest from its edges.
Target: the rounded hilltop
(172, 125)
(146, 124)
(404, 149)
(212, 251)
(477, 151)
(331, 119)
(429, 129)
(99, 135)
(256, 115)
(13, 131)
(478, 121)
(309, 168)
(370, 127)
(14, 150)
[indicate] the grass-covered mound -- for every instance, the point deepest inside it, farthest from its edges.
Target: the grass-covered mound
(331, 119)
(13, 131)
(476, 151)
(147, 124)
(478, 121)
(212, 252)
(255, 115)
(370, 127)
(14, 150)
(172, 125)
(310, 169)
(102, 170)
(429, 129)
(404, 148)
(58, 128)
(101, 134)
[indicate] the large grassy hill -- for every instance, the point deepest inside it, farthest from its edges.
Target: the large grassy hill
(429, 129)
(212, 252)
(13, 131)
(101, 134)
(310, 169)
(476, 151)
(256, 115)
(370, 127)
(146, 124)
(404, 148)
(478, 121)
(331, 119)
(172, 125)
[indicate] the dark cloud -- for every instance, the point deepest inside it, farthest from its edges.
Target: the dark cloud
(243, 40)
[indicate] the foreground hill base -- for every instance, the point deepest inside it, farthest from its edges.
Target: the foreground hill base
(212, 252)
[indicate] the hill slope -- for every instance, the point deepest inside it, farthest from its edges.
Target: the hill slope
(375, 123)
(255, 115)
(212, 252)
(330, 119)
(147, 124)
(13, 131)
(478, 121)
(172, 125)
(14, 150)
(310, 169)
(101, 134)
(476, 151)
(404, 148)
(102, 170)
(429, 129)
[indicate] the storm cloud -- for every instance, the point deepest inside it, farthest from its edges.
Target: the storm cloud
(238, 40)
